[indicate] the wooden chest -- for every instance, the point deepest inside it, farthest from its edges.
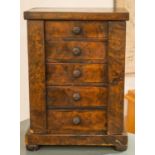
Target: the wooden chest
(76, 77)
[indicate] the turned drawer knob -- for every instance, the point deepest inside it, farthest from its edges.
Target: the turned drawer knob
(76, 120)
(76, 30)
(76, 96)
(76, 51)
(76, 73)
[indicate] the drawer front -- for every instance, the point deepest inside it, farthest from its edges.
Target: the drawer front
(75, 50)
(80, 96)
(80, 121)
(64, 73)
(75, 29)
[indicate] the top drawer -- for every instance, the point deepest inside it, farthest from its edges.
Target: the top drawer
(75, 29)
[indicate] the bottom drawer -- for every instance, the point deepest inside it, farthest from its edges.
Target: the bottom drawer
(77, 121)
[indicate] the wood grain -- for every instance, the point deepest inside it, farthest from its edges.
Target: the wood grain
(63, 29)
(62, 73)
(63, 51)
(116, 67)
(62, 96)
(37, 89)
(77, 14)
(76, 99)
(90, 121)
(118, 141)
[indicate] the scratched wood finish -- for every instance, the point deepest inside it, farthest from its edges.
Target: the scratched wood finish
(116, 67)
(118, 141)
(76, 99)
(64, 29)
(64, 51)
(63, 96)
(62, 73)
(90, 121)
(36, 56)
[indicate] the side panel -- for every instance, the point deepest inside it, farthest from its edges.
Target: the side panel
(37, 91)
(116, 67)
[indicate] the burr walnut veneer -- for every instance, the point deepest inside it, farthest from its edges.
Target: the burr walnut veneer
(76, 77)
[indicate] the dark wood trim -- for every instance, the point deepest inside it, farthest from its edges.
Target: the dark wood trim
(84, 61)
(48, 42)
(76, 108)
(81, 84)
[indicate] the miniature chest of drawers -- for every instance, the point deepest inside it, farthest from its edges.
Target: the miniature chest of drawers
(76, 77)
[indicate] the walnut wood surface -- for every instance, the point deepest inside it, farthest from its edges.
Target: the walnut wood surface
(62, 73)
(77, 14)
(63, 29)
(118, 141)
(76, 100)
(90, 121)
(37, 89)
(63, 51)
(116, 67)
(62, 96)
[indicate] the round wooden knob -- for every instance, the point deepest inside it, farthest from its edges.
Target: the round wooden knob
(76, 96)
(76, 30)
(121, 78)
(76, 73)
(76, 51)
(76, 120)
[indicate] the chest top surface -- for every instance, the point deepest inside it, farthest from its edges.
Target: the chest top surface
(77, 14)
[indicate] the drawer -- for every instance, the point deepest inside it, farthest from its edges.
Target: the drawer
(75, 29)
(80, 121)
(80, 96)
(65, 73)
(75, 50)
